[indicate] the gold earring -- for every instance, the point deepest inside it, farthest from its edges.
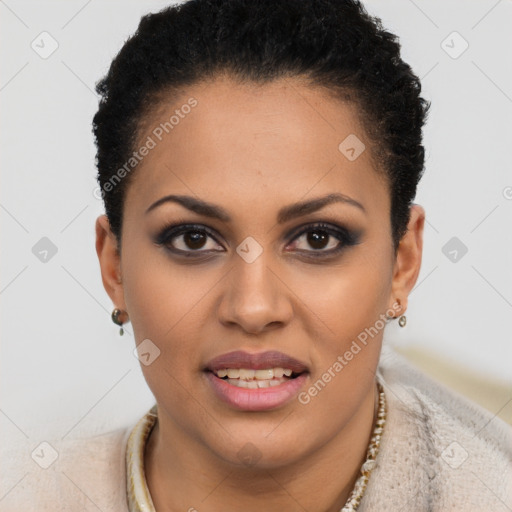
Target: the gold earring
(115, 319)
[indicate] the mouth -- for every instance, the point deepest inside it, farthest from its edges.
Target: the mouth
(256, 382)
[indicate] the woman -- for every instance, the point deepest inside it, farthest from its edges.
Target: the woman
(258, 162)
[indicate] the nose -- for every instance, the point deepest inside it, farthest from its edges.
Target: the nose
(255, 297)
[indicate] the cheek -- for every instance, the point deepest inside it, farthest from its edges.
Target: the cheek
(160, 295)
(351, 302)
(349, 297)
(149, 299)
(347, 348)
(166, 305)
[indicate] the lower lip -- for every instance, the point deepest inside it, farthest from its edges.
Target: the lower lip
(261, 399)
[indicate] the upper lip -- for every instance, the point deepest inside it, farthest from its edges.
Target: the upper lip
(258, 361)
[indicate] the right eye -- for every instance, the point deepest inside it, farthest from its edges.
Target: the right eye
(188, 239)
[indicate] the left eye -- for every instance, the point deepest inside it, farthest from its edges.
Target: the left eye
(318, 239)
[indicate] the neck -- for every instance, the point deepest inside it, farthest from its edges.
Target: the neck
(182, 474)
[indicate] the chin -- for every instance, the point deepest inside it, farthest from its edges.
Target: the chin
(261, 451)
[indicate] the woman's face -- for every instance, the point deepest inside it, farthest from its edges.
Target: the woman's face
(265, 265)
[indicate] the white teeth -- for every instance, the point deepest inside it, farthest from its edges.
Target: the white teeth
(256, 384)
(264, 374)
(255, 379)
(248, 374)
(244, 373)
(278, 373)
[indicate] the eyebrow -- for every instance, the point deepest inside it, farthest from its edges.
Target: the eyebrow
(284, 215)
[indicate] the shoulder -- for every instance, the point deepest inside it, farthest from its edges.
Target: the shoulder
(70, 474)
(441, 451)
(447, 413)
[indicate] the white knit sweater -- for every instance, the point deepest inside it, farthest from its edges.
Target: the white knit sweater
(439, 452)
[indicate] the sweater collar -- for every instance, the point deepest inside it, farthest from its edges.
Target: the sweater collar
(139, 499)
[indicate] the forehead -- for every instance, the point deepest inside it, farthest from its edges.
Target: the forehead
(232, 142)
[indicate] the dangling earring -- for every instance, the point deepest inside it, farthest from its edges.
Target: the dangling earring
(115, 319)
(402, 320)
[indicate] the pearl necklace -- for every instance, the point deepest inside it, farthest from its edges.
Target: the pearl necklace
(139, 498)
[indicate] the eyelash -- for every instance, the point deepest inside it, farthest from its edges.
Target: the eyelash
(347, 238)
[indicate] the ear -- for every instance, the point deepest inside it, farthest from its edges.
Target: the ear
(110, 264)
(408, 258)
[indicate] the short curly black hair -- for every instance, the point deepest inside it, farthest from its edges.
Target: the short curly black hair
(333, 44)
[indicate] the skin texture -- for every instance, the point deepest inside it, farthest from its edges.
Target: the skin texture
(253, 150)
